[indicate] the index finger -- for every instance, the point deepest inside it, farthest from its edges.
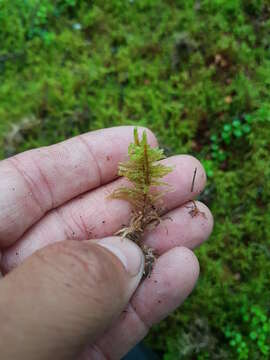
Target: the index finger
(36, 181)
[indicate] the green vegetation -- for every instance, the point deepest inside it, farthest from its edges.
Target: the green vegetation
(198, 74)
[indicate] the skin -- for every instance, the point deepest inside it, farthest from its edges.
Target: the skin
(67, 296)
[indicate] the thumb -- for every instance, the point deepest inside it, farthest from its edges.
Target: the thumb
(65, 295)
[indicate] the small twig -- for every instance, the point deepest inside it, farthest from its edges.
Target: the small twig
(193, 180)
(195, 210)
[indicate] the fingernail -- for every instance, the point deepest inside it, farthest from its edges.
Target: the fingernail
(127, 252)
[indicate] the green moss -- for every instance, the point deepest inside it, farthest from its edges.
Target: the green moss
(196, 73)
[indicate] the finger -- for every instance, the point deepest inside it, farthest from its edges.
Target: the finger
(93, 215)
(64, 295)
(172, 280)
(38, 180)
(181, 228)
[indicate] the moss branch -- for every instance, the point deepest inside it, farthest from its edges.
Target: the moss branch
(144, 171)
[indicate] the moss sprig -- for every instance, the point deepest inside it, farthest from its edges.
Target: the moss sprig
(144, 172)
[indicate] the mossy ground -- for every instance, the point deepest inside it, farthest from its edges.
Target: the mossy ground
(198, 74)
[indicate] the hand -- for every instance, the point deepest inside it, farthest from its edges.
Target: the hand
(74, 292)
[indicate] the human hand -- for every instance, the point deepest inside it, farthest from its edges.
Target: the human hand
(73, 293)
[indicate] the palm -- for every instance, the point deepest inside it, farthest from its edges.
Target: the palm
(61, 192)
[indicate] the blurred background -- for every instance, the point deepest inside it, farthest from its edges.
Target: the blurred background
(197, 72)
